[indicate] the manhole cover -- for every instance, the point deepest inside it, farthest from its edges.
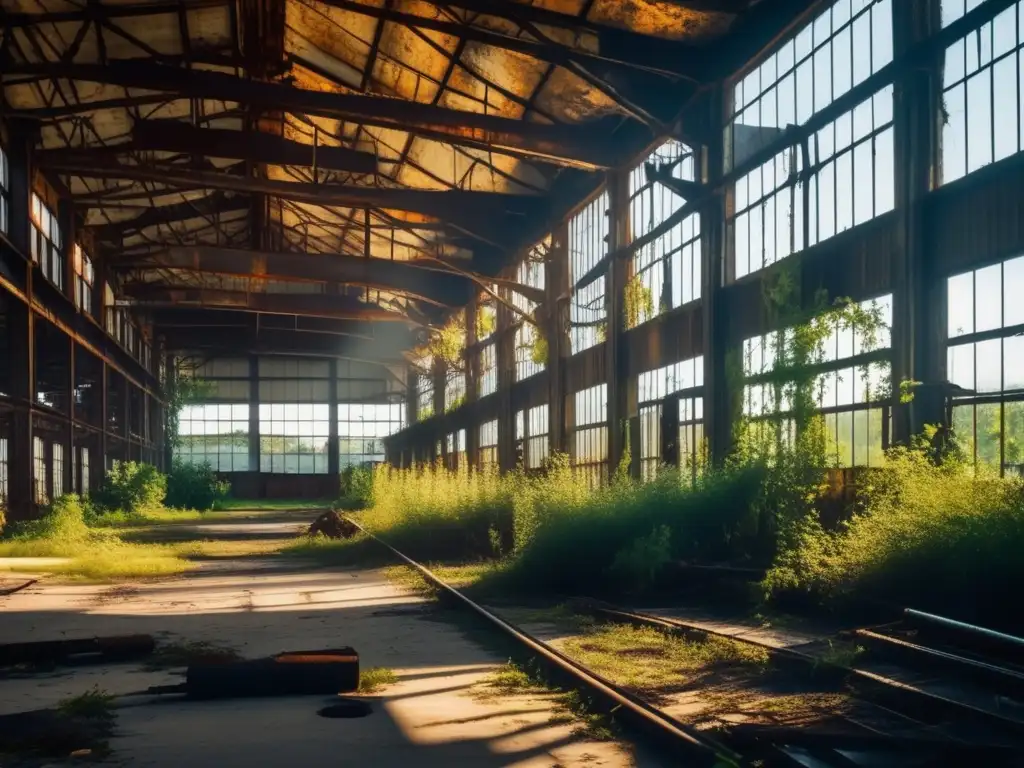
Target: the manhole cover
(346, 709)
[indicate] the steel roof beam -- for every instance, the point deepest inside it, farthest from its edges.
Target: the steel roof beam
(568, 145)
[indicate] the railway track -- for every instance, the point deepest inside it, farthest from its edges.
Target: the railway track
(882, 735)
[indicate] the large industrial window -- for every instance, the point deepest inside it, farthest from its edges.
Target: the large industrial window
(84, 277)
(986, 358)
(590, 435)
(692, 449)
(454, 390)
(588, 245)
(532, 436)
(488, 370)
(488, 444)
(982, 96)
(39, 469)
(214, 434)
(456, 445)
(46, 242)
(425, 392)
(362, 428)
(5, 186)
(531, 352)
(654, 386)
(5, 469)
(293, 437)
(851, 161)
(852, 389)
(667, 270)
(57, 469)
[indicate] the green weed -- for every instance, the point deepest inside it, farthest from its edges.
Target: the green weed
(373, 679)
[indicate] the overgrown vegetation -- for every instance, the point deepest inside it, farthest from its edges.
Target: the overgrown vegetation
(356, 485)
(62, 532)
(191, 486)
(925, 530)
(371, 680)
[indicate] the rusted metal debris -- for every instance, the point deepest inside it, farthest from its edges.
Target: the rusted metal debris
(286, 674)
(333, 526)
(81, 650)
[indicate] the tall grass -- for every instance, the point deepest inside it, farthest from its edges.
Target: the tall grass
(63, 532)
(554, 533)
(926, 535)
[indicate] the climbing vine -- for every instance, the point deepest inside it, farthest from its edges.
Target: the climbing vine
(486, 321)
(448, 343)
(638, 302)
(182, 390)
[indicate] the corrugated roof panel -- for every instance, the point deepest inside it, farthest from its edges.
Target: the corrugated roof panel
(661, 18)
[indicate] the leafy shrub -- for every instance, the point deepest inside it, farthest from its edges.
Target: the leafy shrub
(356, 488)
(639, 564)
(194, 486)
(927, 535)
(64, 520)
(132, 487)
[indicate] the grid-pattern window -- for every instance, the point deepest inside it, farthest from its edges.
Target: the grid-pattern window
(654, 387)
(5, 469)
(57, 468)
(424, 394)
(532, 436)
(456, 445)
(852, 389)
(692, 449)
(488, 444)
(668, 268)
(83, 471)
(294, 437)
(39, 469)
(5, 185)
(362, 428)
(590, 435)
(488, 370)
(46, 242)
(84, 278)
(454, 390)
(986, 357)
(216, 434)
(983, 88)
(851, 172)
(530, 354)
(588, 244)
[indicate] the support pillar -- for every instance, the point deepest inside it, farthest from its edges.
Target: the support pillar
(616, 357)
(472, 366)
(70, 459)
(556, 288)
(21, 488)
(716, 271)
(918, 330)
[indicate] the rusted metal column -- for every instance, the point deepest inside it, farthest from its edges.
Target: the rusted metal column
(472, 367)
(21, 498)
(918, 329)
(505, 356)
(69, 431)
(21, 495)
(557, 333)
(616, 357)
(717, 268)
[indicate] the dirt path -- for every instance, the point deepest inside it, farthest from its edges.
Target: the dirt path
(434, 714)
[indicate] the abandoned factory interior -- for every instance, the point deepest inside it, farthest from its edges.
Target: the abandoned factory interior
(387, 360)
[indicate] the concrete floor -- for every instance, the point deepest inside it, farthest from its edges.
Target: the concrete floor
(433, 716)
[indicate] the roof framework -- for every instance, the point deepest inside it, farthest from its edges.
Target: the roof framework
(230, 156)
